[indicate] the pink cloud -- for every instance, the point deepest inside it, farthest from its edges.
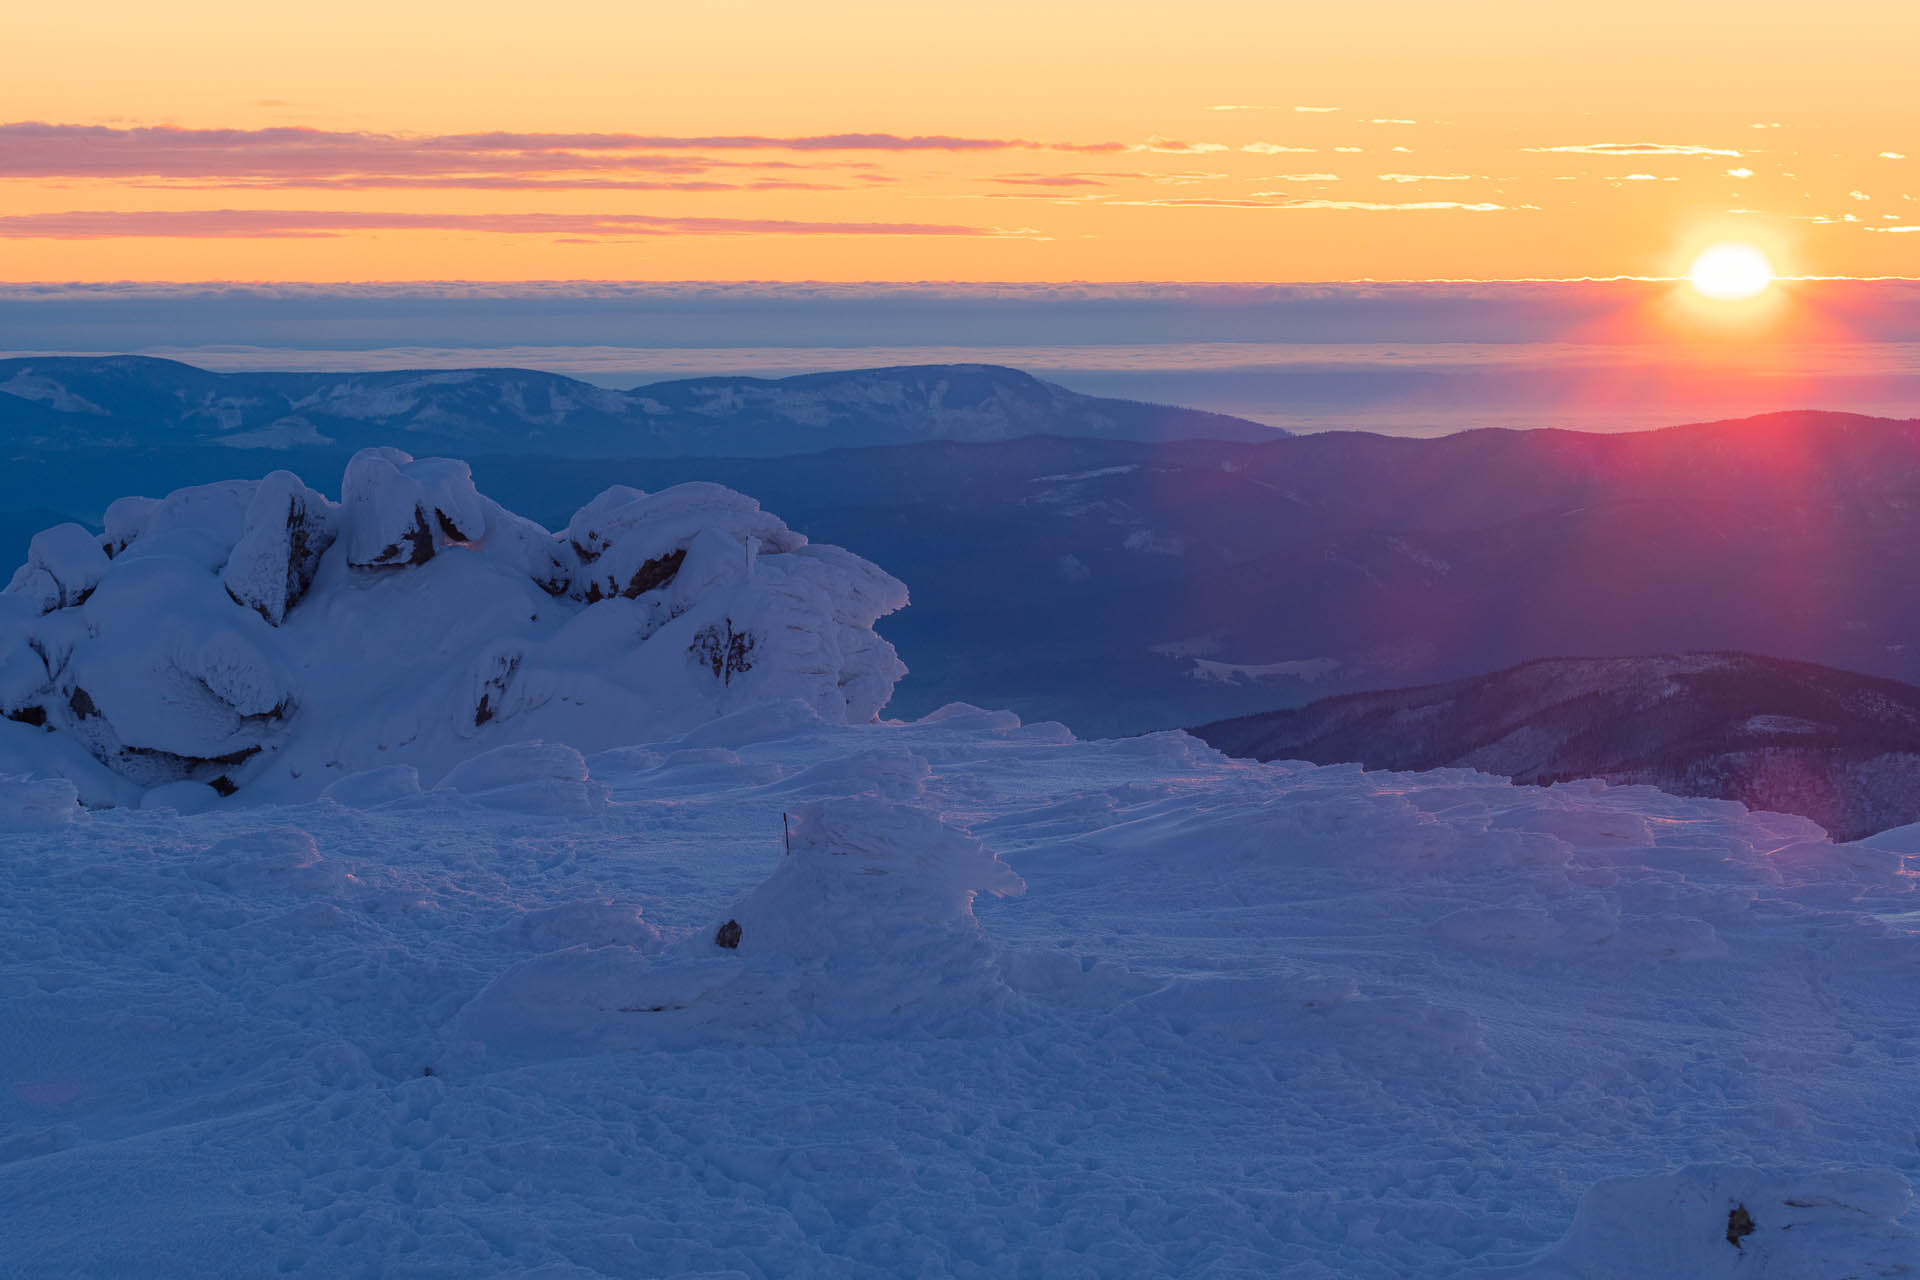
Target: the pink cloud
(293, 156)
(1051, 180)
(100, 224)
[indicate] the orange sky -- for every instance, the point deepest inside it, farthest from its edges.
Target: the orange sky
(1070, 141)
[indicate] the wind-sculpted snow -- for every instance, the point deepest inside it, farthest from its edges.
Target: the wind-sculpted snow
(258, 638)
(867, 922)
(1245, 1020)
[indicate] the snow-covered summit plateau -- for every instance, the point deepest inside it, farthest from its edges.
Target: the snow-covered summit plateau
(257, 637)
(1245, 1020)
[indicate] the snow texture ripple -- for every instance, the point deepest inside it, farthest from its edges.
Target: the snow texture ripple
(1245, 1020)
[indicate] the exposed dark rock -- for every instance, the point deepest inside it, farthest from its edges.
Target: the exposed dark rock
(172, 766)
(1739, 1224)
(418, 544)
(493, 691)
(728, 935)
(657, 572)
(80, 702)
(448, 528)
(651, 575)
(35, 716)
(722, 650)
(224, 785)
(241, 756)
(307, 541)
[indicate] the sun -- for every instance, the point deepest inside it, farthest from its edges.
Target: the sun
(1731, 272)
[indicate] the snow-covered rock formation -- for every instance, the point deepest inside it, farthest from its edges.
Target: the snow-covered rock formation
(258, 636)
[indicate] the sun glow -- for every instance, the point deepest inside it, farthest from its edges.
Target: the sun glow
(1731, 272)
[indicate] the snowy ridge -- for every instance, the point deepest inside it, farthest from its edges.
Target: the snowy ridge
(1246, 1019)
(257, 637)
(72, 402)
(1840, 748)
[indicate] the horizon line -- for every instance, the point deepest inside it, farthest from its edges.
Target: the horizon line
(997, 284)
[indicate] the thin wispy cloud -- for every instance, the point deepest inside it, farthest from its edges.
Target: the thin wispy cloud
(1636, 149)
(1275, 149)
(1425, 177)
(96, 224)
(1175, 147)
(1410, 206)
(1242, 106)
(496, 182)
(1056, 179)
(1281, 200)
(296, 155)
(1893, 155)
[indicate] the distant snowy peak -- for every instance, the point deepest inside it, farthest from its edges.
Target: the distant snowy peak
(1792, 737)
(69, 402)
(257, 636)
(969, 403)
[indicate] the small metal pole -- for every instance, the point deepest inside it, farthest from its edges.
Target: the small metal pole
(786, 833)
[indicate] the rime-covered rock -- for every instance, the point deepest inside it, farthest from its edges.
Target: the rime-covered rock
(399, 512)
(64, 565)
(289, 527)
(257, 638)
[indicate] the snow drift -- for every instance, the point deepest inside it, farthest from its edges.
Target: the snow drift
(256, 636)
(866, 924)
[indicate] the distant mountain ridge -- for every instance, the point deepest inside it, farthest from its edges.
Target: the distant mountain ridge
(1792, 737)
(71, 401)
(1122, 586)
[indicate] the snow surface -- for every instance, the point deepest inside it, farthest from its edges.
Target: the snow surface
(1244, 1020)
(256, 637)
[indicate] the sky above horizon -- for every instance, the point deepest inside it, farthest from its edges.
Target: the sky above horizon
(1222, 141)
